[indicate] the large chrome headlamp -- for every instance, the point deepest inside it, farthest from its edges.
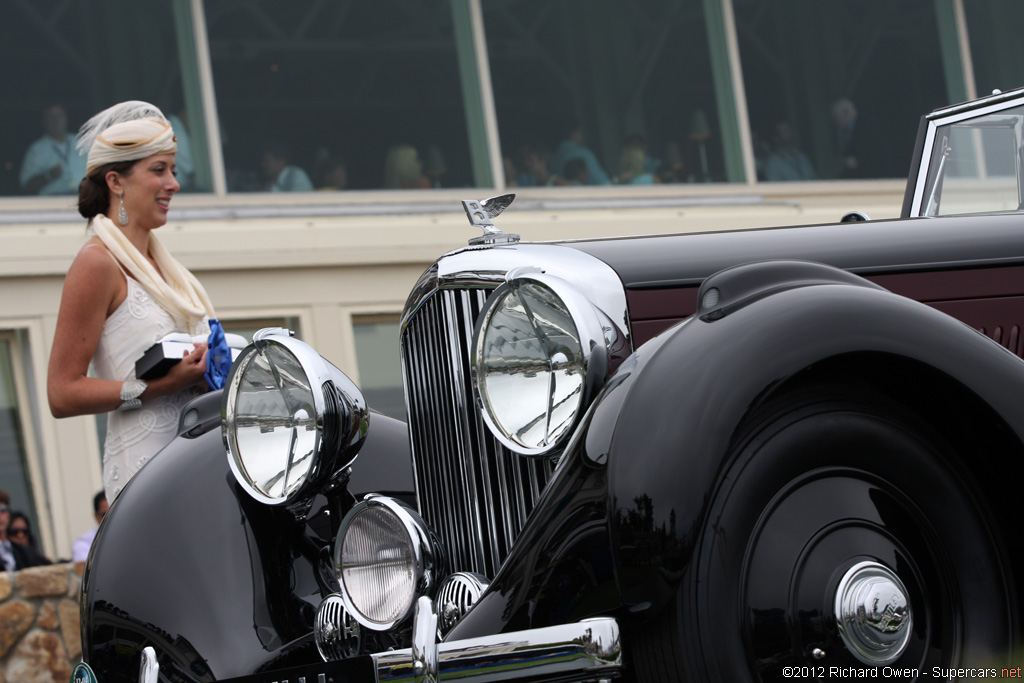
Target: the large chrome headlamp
(385, 558)
(291, 420)
(540, 352)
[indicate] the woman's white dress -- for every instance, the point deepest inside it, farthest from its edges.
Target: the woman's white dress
(134, 436)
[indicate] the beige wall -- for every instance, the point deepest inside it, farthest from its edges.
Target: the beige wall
(323, 262)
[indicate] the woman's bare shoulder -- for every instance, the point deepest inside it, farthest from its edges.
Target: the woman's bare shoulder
(93, 260)
(94, 274)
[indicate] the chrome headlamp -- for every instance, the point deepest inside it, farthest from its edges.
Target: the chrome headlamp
(291, 420)
(540, 352)
(385, 558)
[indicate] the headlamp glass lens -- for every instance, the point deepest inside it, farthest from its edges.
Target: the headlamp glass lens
(531, 368)
(274, 422)
(378, 566)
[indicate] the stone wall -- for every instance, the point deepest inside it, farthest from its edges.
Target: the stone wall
(40, 635)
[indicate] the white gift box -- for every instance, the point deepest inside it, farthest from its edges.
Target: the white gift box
(161, 356)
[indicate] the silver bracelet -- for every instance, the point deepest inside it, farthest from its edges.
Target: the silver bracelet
(131, 390)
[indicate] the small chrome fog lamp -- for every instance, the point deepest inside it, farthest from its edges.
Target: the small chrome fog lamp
(385, 558)
(290, 419)
(540, 352)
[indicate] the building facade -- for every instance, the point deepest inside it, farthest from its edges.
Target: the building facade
(324, 149)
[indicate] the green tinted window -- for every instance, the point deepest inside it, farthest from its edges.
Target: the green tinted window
(836, 89)
(627, 89)
(65, 61)
(338, 95)
(993, 28)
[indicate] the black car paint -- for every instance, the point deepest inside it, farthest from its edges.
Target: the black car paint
(867, 248)
(608, 528)
(605, 537)
(222, 585)
(608, 537)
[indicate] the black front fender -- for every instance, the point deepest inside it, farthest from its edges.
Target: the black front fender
(219, 584)
(619, 522)
(668, 426)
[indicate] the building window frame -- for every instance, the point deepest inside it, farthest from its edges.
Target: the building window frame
(15, 341)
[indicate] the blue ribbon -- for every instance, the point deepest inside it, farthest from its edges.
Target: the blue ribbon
(218, 356)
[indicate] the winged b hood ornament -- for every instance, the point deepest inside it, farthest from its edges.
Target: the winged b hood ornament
(480, 214)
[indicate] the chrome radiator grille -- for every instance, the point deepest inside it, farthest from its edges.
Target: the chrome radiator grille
(473, 492)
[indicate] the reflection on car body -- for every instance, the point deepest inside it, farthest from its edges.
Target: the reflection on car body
(719, 456)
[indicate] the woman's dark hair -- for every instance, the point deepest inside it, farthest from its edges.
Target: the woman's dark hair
(93, 193)
(36, 557)
(16, 515)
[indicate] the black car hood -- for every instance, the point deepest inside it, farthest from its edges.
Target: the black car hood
(899, 245)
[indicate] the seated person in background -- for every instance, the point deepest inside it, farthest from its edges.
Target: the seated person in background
(80, 548)
(535, 172)
(435, 167)
(576, 172)
(573, 148)
(335, 176)
(20, 531)
(52, 164)
(330, 173)
(12, 555)
(403, 169)
(786, 161)
(509, 167)
(633, 168)
(282, 176)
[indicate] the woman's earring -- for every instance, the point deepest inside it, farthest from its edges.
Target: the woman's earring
(122, 214)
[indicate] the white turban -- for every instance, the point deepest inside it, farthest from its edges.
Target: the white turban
(125, 132)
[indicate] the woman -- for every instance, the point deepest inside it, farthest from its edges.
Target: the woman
(124, 291)
(20, 531)
(403, 169)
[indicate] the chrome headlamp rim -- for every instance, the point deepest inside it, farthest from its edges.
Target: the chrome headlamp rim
(425, 559)
(320, 375)
(594, 344)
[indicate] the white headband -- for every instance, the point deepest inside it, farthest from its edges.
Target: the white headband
(125, 132)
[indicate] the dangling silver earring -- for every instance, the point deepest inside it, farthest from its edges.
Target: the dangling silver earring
(122, 214)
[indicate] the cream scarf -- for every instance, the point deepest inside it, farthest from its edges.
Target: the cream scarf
(178, 292)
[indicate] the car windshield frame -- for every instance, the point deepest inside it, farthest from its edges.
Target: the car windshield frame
(960, 146)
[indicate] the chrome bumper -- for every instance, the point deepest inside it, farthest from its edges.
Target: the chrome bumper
(589, 650)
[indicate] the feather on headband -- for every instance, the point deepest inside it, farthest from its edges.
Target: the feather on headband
(125, 132)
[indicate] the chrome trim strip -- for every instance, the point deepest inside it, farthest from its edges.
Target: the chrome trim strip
(596, 340)
(995, 98)
(424, 559)
(587, 650)
(329, 458)
(485, 268)
(474, 493)
(950, 115)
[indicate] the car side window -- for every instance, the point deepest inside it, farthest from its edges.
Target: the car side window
(974, 165)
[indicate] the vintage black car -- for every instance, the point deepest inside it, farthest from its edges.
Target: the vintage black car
(727, 456)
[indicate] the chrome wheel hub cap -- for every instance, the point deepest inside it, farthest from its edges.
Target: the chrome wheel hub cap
(872, 612)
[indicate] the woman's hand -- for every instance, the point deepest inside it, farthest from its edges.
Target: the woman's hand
(190, 371)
